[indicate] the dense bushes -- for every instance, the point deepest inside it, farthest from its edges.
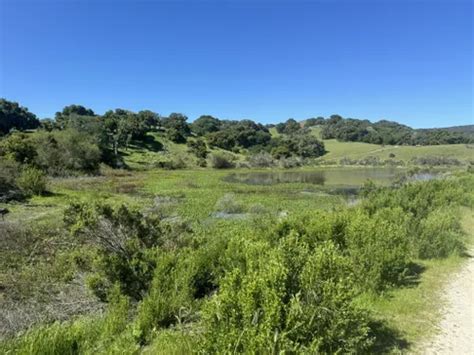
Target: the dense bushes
(58, 153)
(67, 152)
(269, 285)
(285, 299)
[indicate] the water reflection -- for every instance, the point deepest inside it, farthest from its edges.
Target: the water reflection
(336, 176)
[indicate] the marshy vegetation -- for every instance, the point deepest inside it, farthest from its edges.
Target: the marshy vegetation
(127, 234)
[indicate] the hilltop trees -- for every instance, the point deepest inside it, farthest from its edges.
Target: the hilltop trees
(388, 132)
(14, 116)
(305, 146)
(288, 127)
(205, 124)
(106, 138)
(177, 128)
(239, 134)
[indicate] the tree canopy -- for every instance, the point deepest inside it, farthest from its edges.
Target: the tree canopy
(14, 116)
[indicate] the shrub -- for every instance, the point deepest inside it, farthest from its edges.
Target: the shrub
(126, 243)
(9, 172)
(436, 161)
(229, 204)
(261, 160)
(379, 247)
(257, 309)
(18, 147)
(290, 162)
(67, 152)
(440, 234)
(174, 162)
(32, 181)
(169, 298)
(222, 161)
(198, 148)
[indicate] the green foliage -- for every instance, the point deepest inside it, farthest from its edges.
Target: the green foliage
(239, 134)
(229, 204)
(288, 127)
(198, 148)
(387, 132)
(261, 160)
(87, 335)
(441, 234)
(205, 124)
(285, 299)
(9, 172)
(170, 299)
(379, 247)
(177, 128)
(32, 181)
(127, 243)
(302, 145)
(222, 161)
(67, 152)
(18, 147)
(14, 116)
(311, 122)
(288, 279)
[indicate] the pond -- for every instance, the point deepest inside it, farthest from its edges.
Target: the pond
(327, 177)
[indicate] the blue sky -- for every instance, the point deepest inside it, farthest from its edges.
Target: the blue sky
(408, 61)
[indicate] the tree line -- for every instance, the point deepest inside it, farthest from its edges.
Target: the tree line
(387, 132)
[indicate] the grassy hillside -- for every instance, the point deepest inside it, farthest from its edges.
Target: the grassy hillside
(355, 150)
(337, 150)
(157, 150)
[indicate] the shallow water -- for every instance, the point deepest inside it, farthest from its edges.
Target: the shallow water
(324, 177)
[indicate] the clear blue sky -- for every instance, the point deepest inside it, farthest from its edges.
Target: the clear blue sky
(404, 60)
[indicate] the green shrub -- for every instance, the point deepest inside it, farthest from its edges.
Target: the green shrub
(18, 147)
(32, 181)
(169, 299)
(261, 160)
(127, 243)
(222, 161)
(229, 204)
(440, 234)
(198, 148)
(9, 172)
(285, 299)
(379, 247)
(67, 152)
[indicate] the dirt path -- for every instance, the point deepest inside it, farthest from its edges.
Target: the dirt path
(456, 329)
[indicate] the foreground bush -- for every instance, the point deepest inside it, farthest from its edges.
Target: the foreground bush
(126, 243)
(274, 303)
(32, 181)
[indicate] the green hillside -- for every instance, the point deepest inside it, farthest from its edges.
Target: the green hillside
(337, 150)
(157, 151)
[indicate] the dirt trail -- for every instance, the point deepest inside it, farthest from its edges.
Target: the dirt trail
(456, 329)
